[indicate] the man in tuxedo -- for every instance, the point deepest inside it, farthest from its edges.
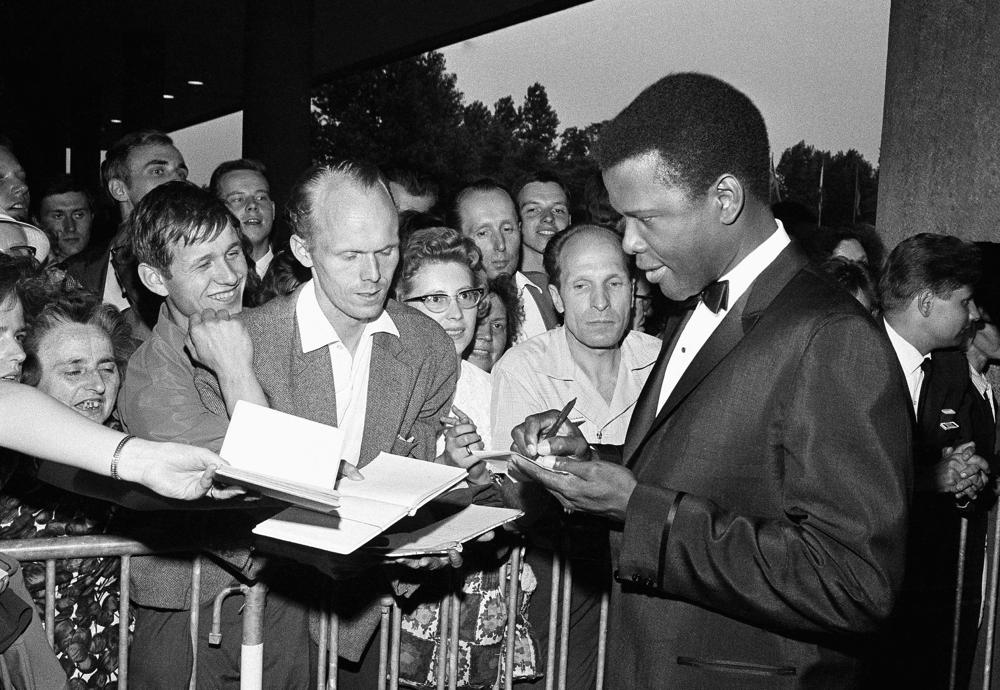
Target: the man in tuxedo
(758, 505)
(929, 313)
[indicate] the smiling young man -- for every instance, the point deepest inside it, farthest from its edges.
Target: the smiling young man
(758, 505)
(242, 185)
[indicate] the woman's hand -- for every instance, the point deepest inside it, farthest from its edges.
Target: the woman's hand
(174, 470)
(461, 438)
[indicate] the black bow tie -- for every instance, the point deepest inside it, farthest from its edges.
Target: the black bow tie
(716, 296)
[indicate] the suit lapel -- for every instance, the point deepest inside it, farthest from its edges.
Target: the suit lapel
(314, 394)
(390, 374)
(645, 406)
(739, 320)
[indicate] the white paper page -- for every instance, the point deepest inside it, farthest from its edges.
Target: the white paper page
(326, 532)
(401, 480)
(463, 526)
(270, 442)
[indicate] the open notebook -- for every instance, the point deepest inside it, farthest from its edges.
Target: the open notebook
(282, 456)
(335, 534)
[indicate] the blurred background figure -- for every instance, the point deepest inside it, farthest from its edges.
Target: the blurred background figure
(500, 317)
(66, 213)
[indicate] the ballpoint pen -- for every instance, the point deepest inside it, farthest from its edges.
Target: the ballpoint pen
(560, 420)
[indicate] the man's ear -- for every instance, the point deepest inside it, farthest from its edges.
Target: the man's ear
(153, 279)
(925, 302)
(556, 299)
(730, 197)
(300, 250)
(118, 189)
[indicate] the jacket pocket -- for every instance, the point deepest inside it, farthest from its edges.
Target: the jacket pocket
(739, 667)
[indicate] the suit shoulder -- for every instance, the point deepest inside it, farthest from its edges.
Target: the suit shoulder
(417, 329)
(259, 318)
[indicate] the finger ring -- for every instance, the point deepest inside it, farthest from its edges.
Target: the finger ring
(568, 511)
(211, 491)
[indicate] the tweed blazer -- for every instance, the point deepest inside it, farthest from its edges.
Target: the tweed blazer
(765, 536)
(410, 387)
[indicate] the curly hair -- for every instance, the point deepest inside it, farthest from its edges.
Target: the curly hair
(437, 246)
(700, 126)
(505, 288)
(74, 305)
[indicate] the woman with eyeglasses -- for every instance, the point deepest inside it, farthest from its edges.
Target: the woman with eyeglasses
(440, 274)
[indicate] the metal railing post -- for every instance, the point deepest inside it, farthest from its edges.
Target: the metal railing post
(252, 649)
(195, 611)
(515, 576)
(124, 576)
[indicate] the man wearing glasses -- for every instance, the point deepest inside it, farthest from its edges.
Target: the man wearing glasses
(242, 185)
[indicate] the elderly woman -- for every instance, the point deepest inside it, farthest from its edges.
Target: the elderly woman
(500, 317)
(440, 275)
(76, 349)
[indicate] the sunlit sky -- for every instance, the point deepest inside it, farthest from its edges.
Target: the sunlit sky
(815, 69)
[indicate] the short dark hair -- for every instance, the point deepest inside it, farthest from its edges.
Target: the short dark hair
(75, 305)
(232, 166)
(317, 181)
(553, 250)
(505, 288)
(64, 184)
(700, 126)
(939, 263)
(115, 165)
(414, 182)
(481, 186)
(437, 246)
(16, 272)
(176, 211)
(853, 276)
(544, 176)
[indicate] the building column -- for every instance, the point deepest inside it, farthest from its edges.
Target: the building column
(277, 85)
(940, 154)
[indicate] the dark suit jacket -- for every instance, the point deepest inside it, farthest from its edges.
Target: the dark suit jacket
(919, 640)
(790, 439)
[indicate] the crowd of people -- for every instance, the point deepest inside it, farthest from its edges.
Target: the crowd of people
(780, 462)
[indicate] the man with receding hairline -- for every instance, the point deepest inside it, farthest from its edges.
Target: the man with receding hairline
(758, 505)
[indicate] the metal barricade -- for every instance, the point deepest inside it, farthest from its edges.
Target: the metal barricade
(251, 667)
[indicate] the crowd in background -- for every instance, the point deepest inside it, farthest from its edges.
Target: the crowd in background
(515, 306)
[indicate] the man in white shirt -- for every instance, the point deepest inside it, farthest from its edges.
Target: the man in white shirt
(242, 185)
(134, 165)
(340, 352)
(757, 508)
(485, 213)
(595, 359)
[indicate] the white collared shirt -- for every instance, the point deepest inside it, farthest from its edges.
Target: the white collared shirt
(533, 323)
(350, 374)
(910, 360)
(703, 322)
(261, 264)
(113, 292)
(982, 385)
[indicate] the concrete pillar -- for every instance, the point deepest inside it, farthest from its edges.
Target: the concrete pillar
(276, 91)
(940, 154)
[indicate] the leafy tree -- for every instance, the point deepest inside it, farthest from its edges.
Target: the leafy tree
(538, 122)
(798, 173)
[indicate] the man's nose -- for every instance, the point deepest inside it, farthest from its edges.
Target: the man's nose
(370, 270)
(499, 243)
(631, 242)
(974, 313)
(599, 299)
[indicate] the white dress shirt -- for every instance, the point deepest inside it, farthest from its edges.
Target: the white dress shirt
(113, 292)
(702, 324)
(910, 360)
(982, 385)
(261, 264)
(350, 374)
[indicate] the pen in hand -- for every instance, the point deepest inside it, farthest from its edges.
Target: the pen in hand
(560, 420)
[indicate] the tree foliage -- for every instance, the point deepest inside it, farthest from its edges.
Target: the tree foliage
(411, 114)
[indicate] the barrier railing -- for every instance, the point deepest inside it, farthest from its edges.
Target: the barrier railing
(50, 550)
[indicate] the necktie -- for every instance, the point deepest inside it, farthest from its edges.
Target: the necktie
(716, 296)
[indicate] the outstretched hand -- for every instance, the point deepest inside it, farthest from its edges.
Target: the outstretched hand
(174, 470)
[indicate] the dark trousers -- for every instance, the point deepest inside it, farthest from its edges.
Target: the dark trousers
(160, 655)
